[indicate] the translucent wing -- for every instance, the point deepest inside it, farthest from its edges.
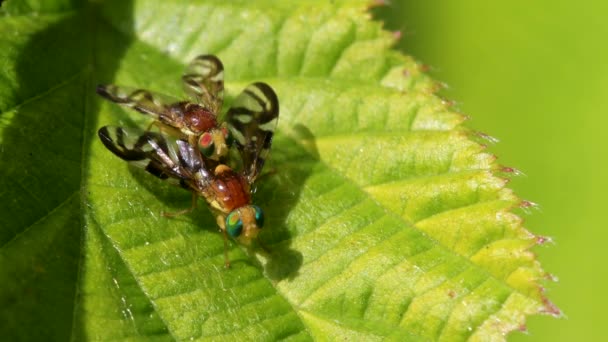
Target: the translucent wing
(175, 161)
(252, 119)
(154, 104)
(204, 82)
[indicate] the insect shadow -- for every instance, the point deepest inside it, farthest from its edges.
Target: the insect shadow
(281, 193)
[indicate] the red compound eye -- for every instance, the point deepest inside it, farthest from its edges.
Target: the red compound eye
(206, 140)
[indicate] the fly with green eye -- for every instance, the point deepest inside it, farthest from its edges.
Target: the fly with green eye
(252, 120)
(195, 120)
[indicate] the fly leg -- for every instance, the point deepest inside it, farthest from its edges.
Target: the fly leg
(220, 222)
(226, 260)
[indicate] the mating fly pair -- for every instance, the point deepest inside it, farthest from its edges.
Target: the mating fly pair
(192, 145)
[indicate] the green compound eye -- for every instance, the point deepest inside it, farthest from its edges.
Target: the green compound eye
(206, 144)
(259, 216)
(234, 224)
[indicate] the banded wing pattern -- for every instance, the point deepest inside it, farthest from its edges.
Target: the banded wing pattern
(204, 82)
(159, 106)
(226, 192)
(252, 119)
(191, 149)
(176, 161)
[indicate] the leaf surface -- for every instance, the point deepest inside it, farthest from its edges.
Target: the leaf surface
(386, 218)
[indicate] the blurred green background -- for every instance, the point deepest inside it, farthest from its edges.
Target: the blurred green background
(534, 74)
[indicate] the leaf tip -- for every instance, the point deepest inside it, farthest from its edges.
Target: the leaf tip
(549, 308)
(523, 328)
(397, 35)
(528, 206)
(544, 240)
(510, 171)
(425, 68)
(486, 137)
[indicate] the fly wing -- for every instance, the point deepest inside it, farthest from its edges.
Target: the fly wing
(252, 119)
(175, 161)
(159, 106)
(190, 159)
(204, 82)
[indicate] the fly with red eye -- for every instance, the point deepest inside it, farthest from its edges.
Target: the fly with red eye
(251, 120)
(195, 120)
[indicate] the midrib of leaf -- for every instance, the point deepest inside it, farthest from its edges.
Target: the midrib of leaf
(128, 312)
(134, 315)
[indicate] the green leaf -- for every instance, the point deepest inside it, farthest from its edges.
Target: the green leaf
(386, 218)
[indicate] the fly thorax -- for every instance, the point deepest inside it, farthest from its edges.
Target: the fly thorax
(230, 188)
(197, 119)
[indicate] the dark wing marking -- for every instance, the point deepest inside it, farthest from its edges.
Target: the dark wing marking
(252, 119)
(176, 161)
(204, 82)
(144, 101)
(132, 144)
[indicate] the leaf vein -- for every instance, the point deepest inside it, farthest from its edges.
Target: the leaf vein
(455, 301)
(45, 92)
(427, 290)
(49, 213)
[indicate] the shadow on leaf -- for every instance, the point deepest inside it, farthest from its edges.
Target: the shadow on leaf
(294, 163)
(42, 158)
